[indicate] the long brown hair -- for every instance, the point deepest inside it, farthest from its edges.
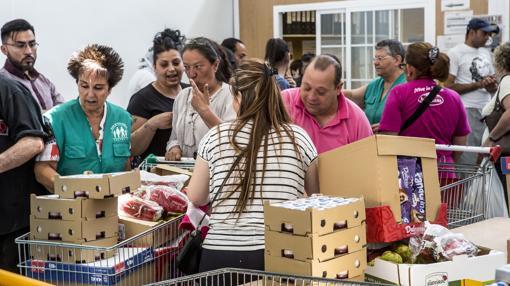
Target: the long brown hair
(262, 105)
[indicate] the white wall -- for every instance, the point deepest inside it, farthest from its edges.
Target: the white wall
(64, 26)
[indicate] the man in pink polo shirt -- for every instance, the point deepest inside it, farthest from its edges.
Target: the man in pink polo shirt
(320, 108)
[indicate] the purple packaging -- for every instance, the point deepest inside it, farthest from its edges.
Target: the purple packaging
(418, 212)
(406, 174)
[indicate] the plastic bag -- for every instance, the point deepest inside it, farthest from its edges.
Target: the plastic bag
(435, 243)
(133, 206)
(151, 179)
(172, 200)
(491, 189)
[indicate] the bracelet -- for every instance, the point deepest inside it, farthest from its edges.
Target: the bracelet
(494, 140)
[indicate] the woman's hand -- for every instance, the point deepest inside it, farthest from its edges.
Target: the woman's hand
(174, 154)
(200, 100)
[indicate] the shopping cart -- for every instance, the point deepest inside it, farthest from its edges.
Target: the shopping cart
(465, 188)
(145, 258)
(151, 161)
(234, 276)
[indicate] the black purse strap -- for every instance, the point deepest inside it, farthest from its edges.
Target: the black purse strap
(421, 108)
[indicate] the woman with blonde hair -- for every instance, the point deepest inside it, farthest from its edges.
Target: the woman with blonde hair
(260, 157)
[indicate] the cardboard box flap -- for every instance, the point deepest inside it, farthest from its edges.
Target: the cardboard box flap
(406, 146)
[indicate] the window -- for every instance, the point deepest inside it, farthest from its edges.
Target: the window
(351, 29)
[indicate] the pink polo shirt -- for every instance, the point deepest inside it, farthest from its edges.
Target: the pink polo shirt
(349, 125)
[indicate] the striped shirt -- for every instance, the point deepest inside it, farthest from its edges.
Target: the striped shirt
(283, 180)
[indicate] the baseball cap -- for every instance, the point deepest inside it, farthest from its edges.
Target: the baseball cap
(477, 23)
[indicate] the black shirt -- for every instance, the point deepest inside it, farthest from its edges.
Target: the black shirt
(146, 103)
(20, 116)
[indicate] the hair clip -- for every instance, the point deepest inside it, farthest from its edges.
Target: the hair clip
(433, 54)
(270, 71)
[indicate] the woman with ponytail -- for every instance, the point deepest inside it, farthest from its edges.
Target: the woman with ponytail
(444, 119)
(260, 157)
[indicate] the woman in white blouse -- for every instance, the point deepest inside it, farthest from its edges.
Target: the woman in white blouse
(206, 103)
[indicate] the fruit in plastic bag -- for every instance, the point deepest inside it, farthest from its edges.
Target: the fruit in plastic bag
(436, 243)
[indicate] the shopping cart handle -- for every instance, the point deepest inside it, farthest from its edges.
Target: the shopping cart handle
(495, 152)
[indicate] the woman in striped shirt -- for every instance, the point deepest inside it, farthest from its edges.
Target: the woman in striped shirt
(258, 157)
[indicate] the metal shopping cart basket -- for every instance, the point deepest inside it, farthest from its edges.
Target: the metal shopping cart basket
(234, 276)
(465, 188)
(151, 161)
(145, 258)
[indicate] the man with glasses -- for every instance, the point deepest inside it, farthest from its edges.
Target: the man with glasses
(388, 63)
(472, 75)
(20, 48)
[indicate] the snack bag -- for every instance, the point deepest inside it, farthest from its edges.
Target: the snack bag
(418, 212)
(406, 174)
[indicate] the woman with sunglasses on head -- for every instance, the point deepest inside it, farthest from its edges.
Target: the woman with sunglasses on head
(206, 103)
(444, 119)
(259, 157)
(151, 107)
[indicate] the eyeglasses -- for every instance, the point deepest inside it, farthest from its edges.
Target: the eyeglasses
(379, 58)
(24, 45)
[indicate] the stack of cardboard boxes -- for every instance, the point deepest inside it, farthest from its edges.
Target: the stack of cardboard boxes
(320, 242)
(83, 211)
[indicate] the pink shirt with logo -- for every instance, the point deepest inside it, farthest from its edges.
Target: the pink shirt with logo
(349, 125)
(444, 119)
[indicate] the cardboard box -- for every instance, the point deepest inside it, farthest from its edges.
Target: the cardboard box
(97, 186)
(104, 272)
(133, 227)
(372, 172)
(352, 265)
(481, 268)
(166, 170)
(73, 231)
(314, 221)
(53, 207)
(315, 247)
(65, 254)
